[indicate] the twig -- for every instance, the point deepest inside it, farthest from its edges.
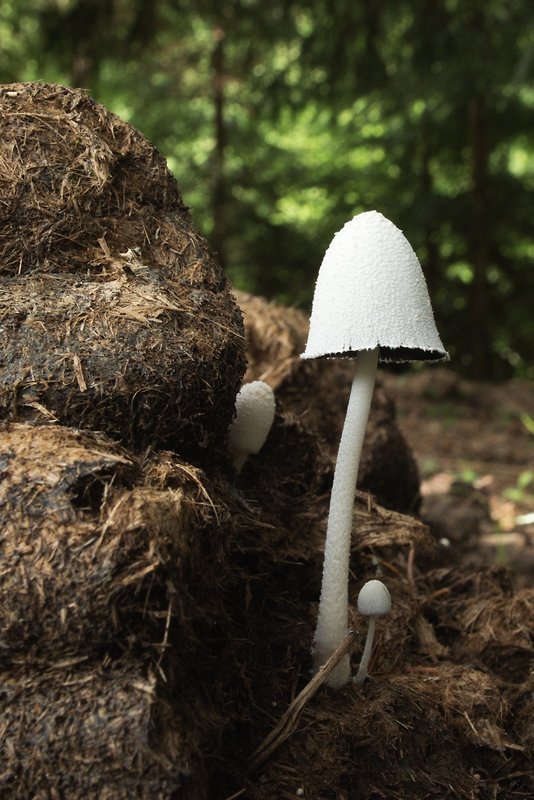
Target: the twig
(421, 669)
(163, 646)
(410, 565)
(234, 796)
(290, 719)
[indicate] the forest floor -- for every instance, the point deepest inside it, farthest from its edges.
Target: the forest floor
(451, 683)
(474, 445)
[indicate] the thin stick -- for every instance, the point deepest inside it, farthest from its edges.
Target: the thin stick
(234, 796)
(289, 721)
(410, 565)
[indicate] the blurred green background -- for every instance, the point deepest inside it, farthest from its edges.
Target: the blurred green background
(281, 120)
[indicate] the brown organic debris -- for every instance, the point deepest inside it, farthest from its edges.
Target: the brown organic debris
(114, 315)
(85, 730)
(289, 721)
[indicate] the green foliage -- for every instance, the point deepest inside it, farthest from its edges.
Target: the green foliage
(528, 422)
(520, 492)
(282, 120)
(467, 475)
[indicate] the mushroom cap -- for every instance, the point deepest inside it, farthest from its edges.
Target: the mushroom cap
(255, 408)
(374, 598)
(371, 292)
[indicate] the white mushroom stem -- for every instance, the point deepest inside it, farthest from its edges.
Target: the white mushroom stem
(363, 669)
(332, 621)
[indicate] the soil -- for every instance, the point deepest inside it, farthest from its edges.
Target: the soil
(474, 446)
(448, 710)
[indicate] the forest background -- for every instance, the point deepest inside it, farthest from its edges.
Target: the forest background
(283, 119)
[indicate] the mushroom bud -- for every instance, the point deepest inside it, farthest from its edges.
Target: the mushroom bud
(254, 417)
(370, 303)
(373, 601)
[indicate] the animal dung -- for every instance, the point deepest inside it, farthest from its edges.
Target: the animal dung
(114, 314)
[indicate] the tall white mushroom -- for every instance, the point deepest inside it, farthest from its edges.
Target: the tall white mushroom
(370, 303)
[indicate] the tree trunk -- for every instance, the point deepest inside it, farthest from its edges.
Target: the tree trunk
(83, 70)
(480, 297)
(219, 193)
(431, 246)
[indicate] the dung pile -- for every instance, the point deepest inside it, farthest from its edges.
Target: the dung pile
(102, 587)
(446, 712)
(114, 315)
(120, 336)
(148, 613)
(157, 610)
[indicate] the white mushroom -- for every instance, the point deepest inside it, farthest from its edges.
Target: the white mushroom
(254, 406)
(373, 601)
(370, 303)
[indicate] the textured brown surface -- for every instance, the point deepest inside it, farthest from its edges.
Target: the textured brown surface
(84, 731)
(108, 573)
(203, 597)
(113, 314)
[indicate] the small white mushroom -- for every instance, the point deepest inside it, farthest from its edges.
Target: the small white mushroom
(254, 417)
(370, 303)
(373, 601)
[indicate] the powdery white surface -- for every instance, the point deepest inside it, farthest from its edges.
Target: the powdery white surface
(371, 292)
(332, 619)
(374, 598)
(255, 406)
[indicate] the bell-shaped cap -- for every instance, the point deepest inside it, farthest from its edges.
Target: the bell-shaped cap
(371, 292)
(374, 599)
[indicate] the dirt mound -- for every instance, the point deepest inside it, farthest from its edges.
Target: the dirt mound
(148, 612)
(115, 317)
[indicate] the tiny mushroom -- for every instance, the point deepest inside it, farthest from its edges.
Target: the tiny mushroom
(370, 303)
(254, 417)
(373, 601)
